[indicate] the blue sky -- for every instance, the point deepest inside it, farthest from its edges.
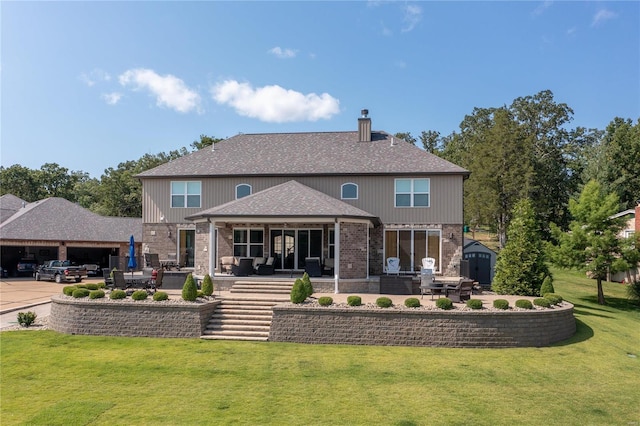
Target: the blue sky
(88, 85)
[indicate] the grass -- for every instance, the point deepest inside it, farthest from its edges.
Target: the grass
(591, 379)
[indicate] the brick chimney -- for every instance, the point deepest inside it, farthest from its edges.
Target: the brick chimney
(364, 127)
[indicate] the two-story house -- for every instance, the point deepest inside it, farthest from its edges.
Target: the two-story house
(357, 197)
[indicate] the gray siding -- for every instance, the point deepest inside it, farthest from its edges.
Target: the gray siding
(375, 195)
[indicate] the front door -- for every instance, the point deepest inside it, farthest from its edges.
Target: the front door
(187, 244)
(290, 247)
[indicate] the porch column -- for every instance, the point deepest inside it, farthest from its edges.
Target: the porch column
(212, 248)
(336, 262)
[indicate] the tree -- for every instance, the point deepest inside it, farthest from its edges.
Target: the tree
(592, 243)
(406, 137)
(521, 267)
(21, 182)
(430, 141)
(204, 142)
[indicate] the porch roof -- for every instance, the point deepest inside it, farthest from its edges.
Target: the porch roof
(288, 201)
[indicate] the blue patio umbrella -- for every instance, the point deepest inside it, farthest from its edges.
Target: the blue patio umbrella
(132, 255)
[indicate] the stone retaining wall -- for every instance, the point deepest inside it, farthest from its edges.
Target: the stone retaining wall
(404, 327)
(129, 318)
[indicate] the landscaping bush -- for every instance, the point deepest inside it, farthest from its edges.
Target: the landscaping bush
(547, 286)
(444, 303)
(524, 304)
(298, 292)
(81, 285)
(80, 292)
(160, 295)
(91, 286)
(308, 288)
(96, 294)
(117, 294)
(354, 300)
(555, 299)
(207, 285)
(68, 290)
(139, 295)
(542, 302)
(25, 319)
(474, 303)
(633, 291)
(384, 302)
(412, 302)
(325, 301)
(501, 304)
(189, 289)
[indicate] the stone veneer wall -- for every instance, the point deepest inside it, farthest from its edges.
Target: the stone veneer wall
(403, 327)
(353, 250)
(129, 318)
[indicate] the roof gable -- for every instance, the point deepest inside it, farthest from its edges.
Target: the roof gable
(9, 205)
(291, 154)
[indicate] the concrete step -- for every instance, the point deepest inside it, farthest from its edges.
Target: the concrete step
(244, 334)
(234, 337)
(234, 289)
(241, 314)
(223, 322)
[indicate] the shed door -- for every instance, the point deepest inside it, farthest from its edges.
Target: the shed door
(479, 267)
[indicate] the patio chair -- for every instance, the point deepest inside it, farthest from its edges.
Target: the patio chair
(108, 281)
(118, 280)
(312, 266)
(329, 266)
(266, 268)
(428, 265)
(461, 291)
(244, 268)
(428, 284)
(156, 282)
(393, 265)
(226, 262)
(152, 260)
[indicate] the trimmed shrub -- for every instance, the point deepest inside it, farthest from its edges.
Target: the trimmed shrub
(160, 295)
(80, 292)
(412, 302)
(91, 286)
(25, 319)
(555, 299)
(308, 288)
(547, 286)
(501, 304)
(444, 303)
(384, 302)
(189, 289)
(139, 295)
(474, 303)
(200, 294)
(298, 292)
(82, 286)
(117, 294)
(325, 301)
(207, 285)
(101, 285)
(96, 294)
(633, 291)
(542, 302)
(68, 290)
(524, 304)
(354, 300)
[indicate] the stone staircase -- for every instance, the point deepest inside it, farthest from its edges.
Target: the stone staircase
(246, 315)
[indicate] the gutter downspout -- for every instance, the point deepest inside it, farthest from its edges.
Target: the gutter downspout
(336, 248)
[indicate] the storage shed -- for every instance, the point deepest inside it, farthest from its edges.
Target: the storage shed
(482, 261)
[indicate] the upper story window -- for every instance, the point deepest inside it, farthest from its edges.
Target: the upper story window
(186, 193)
(412, 192)
(242, 190)
(349, 191)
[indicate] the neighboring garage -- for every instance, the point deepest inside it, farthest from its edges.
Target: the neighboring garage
(55, 228)
(482, 261)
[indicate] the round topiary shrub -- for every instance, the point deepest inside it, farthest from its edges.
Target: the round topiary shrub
(96, 294)
(298, 292)
(474, 303)
(80, 292)
(160, 295)
(325, 301)
(555, 299)
(91, 286)
(524, 304)
(189, 289)
(444, 303)
(81, 285)
(117, 294)
(547, 286)
(384, 302)
(68, 290)
(354, 300)
(542, 302)
(139, 295)
(412, 302)
(501, 304)
(308, 288)
(207, 285)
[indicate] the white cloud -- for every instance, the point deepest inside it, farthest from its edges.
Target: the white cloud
(168, 90)
(283, 53)
(275, 104)
(601, 16)
(112, 98)
(412, 16)
(94, 76)
(542, 7)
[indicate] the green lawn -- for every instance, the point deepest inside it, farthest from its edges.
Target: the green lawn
(592, 379)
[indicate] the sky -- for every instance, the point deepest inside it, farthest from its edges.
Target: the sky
(89, 85)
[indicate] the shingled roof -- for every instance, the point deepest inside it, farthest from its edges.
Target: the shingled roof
(287, 200)
(58, 219)
(9, 205)
(298, 154)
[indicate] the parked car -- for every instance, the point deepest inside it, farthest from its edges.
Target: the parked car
(26, 267)
(93, 270)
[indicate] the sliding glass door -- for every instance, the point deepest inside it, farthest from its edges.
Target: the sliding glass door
(411, 246)
(290, 247)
